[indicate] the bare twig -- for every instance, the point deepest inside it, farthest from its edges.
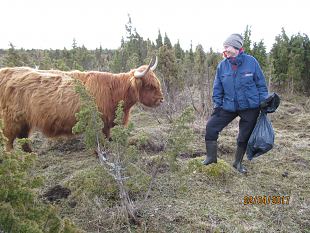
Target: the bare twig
(154, 174)
(192, 99)
(115, 169)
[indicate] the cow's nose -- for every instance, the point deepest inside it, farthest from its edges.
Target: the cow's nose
(162, 100)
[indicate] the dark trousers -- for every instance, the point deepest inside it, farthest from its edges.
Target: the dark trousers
(219, 120)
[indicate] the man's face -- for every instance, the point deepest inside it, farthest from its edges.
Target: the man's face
(230, 51)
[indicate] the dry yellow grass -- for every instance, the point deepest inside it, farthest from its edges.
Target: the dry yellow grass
(194, 198)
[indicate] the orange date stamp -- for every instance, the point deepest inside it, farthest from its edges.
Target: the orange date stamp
(266, 200)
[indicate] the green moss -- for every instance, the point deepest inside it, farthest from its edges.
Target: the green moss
(96, 181)
(219, 169)
(138, 181)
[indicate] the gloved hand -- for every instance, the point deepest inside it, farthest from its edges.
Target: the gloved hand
(263, 105)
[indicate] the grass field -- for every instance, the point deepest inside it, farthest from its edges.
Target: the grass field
(273, 197)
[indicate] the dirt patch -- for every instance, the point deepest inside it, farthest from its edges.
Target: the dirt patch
(59, 145)
(56, 193)
(195, 154)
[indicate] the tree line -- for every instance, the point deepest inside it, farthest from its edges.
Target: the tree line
(286, 66)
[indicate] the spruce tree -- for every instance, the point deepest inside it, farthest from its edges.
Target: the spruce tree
(259, 52)
(159, 40)
(167, 41)
(247, 40)
(280, 55)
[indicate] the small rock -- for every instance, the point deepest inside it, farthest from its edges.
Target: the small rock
(285, 174)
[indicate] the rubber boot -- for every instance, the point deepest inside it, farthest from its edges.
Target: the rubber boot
(238, 160)
(211, 152)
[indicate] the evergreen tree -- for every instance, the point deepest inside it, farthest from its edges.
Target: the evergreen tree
(133, 61)
(213, 60)
(46, 62)
(12, 58)
(200, 73)
(100, 59)
(159, 40)
(74, 44)
(167, 42)
(200, 59)
(296, 62)
(116, 63)
(168, 68)
(191, 53)
(85, 60)
(280, 55)
(129, 29)
(178, 51)
(306, 71)
(151, 51)
(134, 49)
(247, 40)
(259, 52)
(187, 69)
(20, 208)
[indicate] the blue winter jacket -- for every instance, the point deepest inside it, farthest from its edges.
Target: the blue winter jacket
(240, 84)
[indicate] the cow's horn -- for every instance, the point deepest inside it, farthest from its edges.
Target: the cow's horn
(139, 74)
(155, 64)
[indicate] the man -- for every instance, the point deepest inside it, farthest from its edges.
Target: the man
(239, 89)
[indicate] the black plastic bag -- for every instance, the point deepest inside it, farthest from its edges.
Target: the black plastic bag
(271, 103)
(262, 137)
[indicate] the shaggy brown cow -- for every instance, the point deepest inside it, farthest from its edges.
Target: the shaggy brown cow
(46, 100)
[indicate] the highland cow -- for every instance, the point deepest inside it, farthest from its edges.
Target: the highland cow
(46, 100)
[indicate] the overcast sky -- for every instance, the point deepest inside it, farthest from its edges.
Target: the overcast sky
(54, 23)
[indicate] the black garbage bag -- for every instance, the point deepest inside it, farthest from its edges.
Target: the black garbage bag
(262, 137)
(271, 103)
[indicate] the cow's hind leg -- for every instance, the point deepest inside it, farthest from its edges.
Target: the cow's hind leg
(10, 135)
(9, 144)
(107, 131)
(24, 133)
(15, 129)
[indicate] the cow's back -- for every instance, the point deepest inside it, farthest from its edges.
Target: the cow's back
(42, 100)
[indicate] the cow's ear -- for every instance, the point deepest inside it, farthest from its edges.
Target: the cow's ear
(135, 82)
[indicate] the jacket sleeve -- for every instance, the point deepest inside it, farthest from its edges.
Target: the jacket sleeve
(260, 82)
(218, 91)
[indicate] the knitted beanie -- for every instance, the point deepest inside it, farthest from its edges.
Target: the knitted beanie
(234, 40)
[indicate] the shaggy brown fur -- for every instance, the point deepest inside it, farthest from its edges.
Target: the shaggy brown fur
(45, 100)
